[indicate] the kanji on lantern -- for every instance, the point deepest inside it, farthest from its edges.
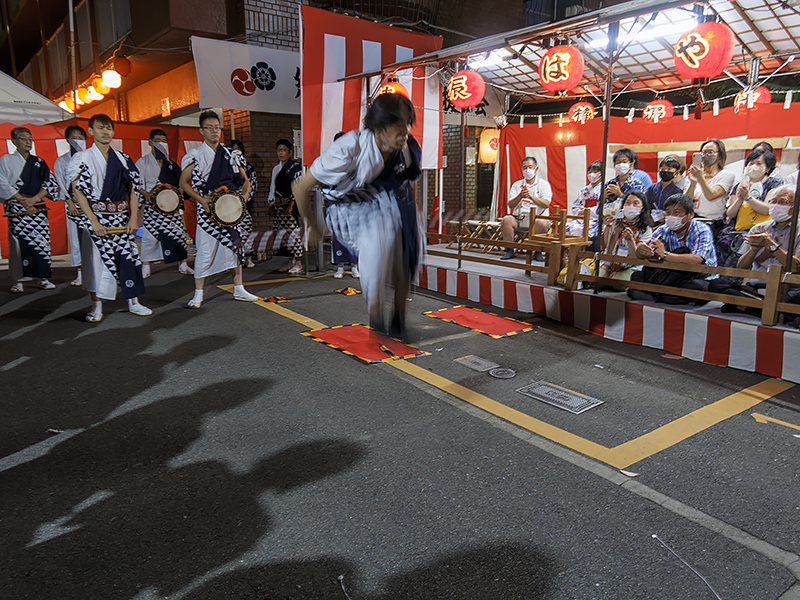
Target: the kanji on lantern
(761, 95)
(394, 87)
(490, 142)
(705, 50)
(561, 69)
(466, 89)
(580, 112)
(657, 111)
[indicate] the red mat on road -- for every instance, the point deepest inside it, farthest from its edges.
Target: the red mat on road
(481, 321)
(364, 343)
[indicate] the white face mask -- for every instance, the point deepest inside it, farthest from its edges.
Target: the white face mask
(622, 168)
(631, 212)
(593, 177)
(529, 173)
(756, 171)
(779, 212)
(673, 222)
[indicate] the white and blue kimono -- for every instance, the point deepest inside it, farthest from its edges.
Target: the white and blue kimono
(164, 237)
(114, 258)
(74, 224)
(28, 235)
(219, 248)
(370, 204)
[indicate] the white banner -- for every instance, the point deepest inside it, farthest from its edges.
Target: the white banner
(244, 77)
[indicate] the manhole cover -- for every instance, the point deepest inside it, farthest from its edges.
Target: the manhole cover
(476, 363)
(502, 373)
(561, 397)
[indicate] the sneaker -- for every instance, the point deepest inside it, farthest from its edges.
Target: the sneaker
(17, 288)
(145, 271)
(248, 263)
(47, 285)
(339, 273)
(354, 272)
(297, 268)
(185, 269)
(508, 255)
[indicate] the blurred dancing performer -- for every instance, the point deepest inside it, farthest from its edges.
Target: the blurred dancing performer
(246, 226)
(364, 177)
(25, 180)
(104, 182)
(340, 255)
(76, 137)
(208, 167)
(285, 214)
(164, 237)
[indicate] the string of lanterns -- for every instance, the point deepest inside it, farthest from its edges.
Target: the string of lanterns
(99, 87)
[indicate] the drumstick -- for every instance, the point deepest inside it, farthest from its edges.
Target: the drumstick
(23, 213)
(116, 230)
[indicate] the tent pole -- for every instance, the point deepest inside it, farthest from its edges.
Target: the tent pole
(613, 32)
(72, 57)
(462, 187)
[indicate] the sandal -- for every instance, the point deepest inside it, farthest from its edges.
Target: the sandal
(94, 317)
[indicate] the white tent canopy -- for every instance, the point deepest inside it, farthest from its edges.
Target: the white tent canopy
(20, 105)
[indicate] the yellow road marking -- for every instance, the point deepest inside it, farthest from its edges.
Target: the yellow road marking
(622, 456)
(765, 419)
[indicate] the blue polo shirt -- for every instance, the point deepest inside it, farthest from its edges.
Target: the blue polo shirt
(656, 195)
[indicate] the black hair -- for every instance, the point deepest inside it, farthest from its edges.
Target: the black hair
(535, 164)
(338, 135)
(101, 119)
(72, 129)
(284, 142)
(595, 164)
(763, 146)
(645, 218)
(723, 155)
(627, 153)
(209, 114)
(682, 200)
(672, 163)
(236, 145)
(156, 132)
(769, 159)
(17, 130)
(388, 110)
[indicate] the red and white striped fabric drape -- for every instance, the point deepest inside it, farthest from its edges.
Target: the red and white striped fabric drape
(335, 46)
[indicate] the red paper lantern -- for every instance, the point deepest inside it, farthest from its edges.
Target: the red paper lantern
(705, 50)
(658, 111)
(392, 86)
(83, 95)
(761, 95)
(466, 89)
(580, 112)
(122, 66)
(561, 68)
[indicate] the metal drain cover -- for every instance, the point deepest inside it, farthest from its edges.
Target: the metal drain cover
(558, 396)
(502, 373)
(476, 363)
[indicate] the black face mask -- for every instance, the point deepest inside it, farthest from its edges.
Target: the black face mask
(666, 175)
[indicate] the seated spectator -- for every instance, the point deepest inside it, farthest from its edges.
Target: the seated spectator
(710, 185)
(764, 245)
(530, 192)
(746, 205)
(624, 236)
(587, 198)
(670, 172)
(682, 240)
(628, 178)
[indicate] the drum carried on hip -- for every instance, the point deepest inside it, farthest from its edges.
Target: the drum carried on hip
(227, 207)
(166, 199)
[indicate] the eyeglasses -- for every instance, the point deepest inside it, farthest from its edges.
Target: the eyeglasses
(213, 128)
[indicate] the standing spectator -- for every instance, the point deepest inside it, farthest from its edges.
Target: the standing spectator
(747, 205)
(670, 171)
(528, 195)
(710, 185)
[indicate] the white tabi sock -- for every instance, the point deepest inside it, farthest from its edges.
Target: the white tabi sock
(239, 293)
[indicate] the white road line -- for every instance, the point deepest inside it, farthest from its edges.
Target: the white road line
(14, 363)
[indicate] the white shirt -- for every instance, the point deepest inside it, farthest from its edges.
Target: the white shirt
(275, 170)
(11, 166)
(714, 209)
(539, 189)
(202, 157)
(149, 170)
(60, 171)
(351, 162)
(791, 179)
(781, 237)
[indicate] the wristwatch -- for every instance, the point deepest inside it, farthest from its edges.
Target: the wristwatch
(773, 248)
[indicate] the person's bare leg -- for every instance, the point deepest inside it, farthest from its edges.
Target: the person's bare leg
(507, 226)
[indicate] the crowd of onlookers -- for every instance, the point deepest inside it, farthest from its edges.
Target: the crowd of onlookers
(695, 215)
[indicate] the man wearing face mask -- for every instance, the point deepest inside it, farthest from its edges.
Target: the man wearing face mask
(528, 195)
(76, 137)
(766, 244)
(669, 174)
(682, 240)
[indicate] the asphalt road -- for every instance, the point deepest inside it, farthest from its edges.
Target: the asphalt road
(220, 454)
